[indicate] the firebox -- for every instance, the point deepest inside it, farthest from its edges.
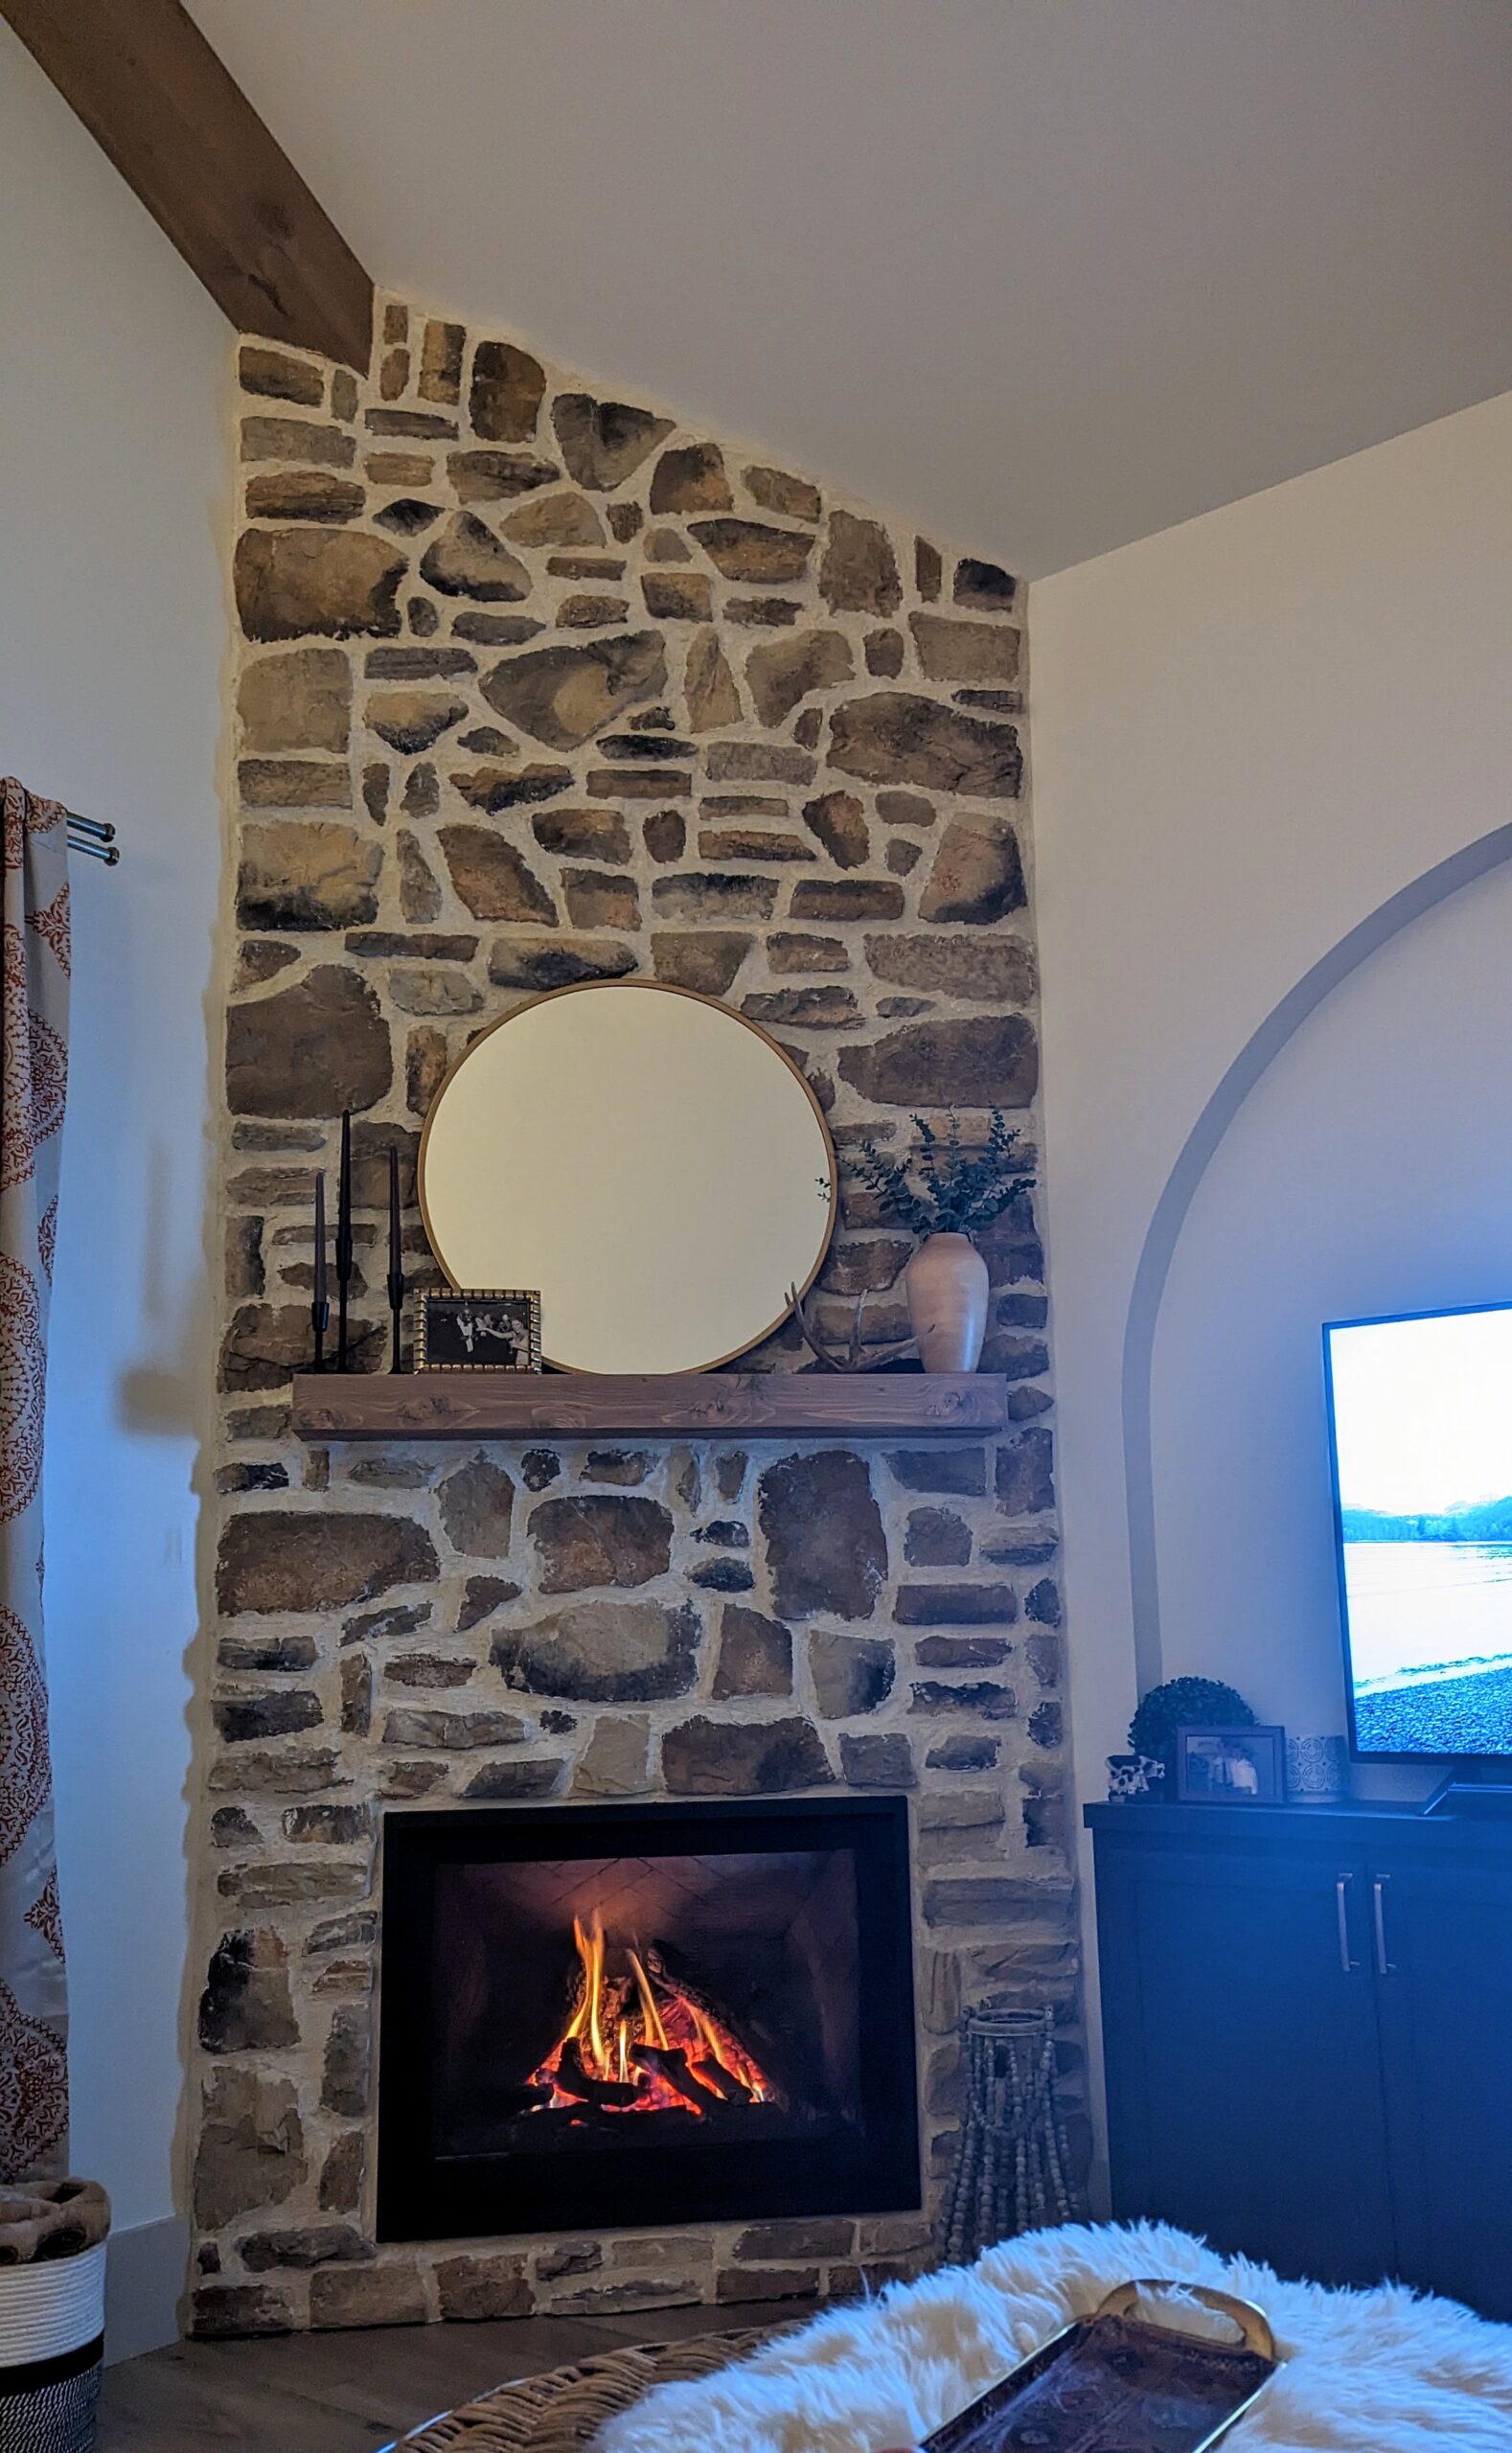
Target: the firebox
(645, 2014)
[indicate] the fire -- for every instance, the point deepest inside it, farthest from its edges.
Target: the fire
(638, 2042)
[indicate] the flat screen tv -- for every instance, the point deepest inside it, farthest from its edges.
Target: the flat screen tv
(1420, 1419)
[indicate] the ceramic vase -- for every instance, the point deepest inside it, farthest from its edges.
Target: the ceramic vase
(945, 1284)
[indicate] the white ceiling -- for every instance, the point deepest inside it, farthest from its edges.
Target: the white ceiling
(1045, 275)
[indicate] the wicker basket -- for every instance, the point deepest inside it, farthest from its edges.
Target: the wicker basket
(561, 2410)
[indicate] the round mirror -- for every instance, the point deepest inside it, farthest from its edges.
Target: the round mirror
(650, 1160)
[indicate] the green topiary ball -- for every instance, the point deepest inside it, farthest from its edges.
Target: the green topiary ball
(1184, 1702)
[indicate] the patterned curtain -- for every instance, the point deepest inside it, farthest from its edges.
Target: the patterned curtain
(33, 1082)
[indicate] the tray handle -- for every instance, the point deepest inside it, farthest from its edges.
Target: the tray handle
(1122, 2300)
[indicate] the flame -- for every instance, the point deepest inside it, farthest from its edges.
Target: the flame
(635, 2044)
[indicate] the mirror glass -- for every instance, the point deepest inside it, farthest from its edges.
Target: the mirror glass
(647, 1159)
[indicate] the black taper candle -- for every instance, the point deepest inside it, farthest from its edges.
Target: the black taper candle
(320, 1307)
(343, 1240)
(395, 1261)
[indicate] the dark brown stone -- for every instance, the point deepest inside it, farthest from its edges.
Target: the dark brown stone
(876, 1761)
(336, 1826)
(903, 858)
(278, 378)
(589, 612)
(539, 963)
(413, 721)
(299, 702)
(691, 478)
(312, 1049)
(592, 1541)
(223, 2312)
(537, 1777)
(884, 654)
(626, 1466)
(757, 761)
(603, 1652)
(251, 2149)
(1046, 1725)
(1044, 1604)
(597, 899)
(839, 823)
(703, 1758)
(468, 559)
(310, 2245)
(304, 493)
(743, 2283)
(814, 2236)
(478, 1505)
(988, 1062)
(303, 873)
(277, 1559)
(936, 1537)
(420, 424)
(750, 843)
(507, 388)
(478, 2287)
(241, 1719)
(851, 1674)
(955, 1605)
(709, 685)
(965, 1755)
(294, 783)
(246, 2005)
(296, 439)
(1024, 1482)
(742, 549)
(666, 835)
(639, 783)
(894, 736)
(984, 584)
(811, 1009)
(493, 878)
(789, 953)
(724, 1576)
(495, 629)
(298, 1772)
(293, 581)
(836, 898)
(783, 673)
(978, 874)
(604, 441)
(346, 2085)
(407, 516)
(706, 960)
(584, 833)
(677, 596)
(825, 1544)
(755, 1655)
(501, 788)
(342, 2174)
(961, 1652)
(342, 2295)
(774, 489)
(987, 971)
(859, 571)
(714, 895)
(983, 1697)
(564, 695)
(267, 1343)
(498, 477)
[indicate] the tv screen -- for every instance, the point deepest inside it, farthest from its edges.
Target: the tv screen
(1420, 1412)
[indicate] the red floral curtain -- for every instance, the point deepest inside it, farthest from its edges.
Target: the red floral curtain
(33, 1082)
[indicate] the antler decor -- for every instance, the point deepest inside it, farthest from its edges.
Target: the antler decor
(850, 1358)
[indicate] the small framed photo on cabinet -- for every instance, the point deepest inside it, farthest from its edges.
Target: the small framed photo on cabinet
(479, 1329)
(1231, 1766)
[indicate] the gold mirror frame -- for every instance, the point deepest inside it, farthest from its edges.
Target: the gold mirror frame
(643, 987)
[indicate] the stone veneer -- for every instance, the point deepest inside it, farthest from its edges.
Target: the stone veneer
(536, 686)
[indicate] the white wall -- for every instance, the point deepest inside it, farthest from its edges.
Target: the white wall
(112, 630)
(1250, 733)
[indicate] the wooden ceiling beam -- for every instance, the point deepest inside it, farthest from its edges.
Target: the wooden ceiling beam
(179, 130)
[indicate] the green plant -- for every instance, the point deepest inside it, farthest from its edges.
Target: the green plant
(956, 1189)
(1184, 1702)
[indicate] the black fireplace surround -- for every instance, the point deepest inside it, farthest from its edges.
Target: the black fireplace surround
(606, 2015)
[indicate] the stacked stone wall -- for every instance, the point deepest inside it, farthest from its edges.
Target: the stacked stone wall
(536, 686)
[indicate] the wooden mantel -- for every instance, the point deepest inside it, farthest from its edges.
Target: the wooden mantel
(713, 1405)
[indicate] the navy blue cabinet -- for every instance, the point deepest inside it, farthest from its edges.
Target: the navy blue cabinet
(1307, 2023)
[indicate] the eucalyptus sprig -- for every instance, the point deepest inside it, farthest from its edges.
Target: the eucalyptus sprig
(958, 1189)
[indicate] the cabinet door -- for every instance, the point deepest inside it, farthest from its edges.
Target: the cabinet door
(1244, 2083)
(1444, 1986)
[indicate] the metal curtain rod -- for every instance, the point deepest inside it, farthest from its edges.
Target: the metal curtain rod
(92, 837)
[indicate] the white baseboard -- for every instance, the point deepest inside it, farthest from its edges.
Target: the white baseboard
(144, 2281)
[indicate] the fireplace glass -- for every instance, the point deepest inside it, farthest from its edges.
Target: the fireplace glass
(644, 2014)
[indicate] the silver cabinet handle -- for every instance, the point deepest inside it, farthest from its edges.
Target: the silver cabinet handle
(1384, 1966)
(1341, 1889)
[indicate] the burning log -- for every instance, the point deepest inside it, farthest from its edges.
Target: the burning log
(574, 2079)
(671, 2064)
(725, 2082)
(532, 2096)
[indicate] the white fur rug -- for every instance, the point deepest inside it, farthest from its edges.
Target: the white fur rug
(1367, 2371)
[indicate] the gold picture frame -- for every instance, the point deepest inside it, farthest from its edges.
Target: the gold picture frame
(454, 1330)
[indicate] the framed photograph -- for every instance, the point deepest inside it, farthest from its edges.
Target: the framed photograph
(1231, 1766)
(494, 1328)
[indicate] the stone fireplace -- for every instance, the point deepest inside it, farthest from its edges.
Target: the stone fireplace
(535, 686)
(695, 2013)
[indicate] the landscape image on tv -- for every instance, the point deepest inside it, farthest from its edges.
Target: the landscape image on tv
(1422, 1412)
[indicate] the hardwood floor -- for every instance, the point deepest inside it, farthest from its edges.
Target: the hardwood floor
(353, 2392)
